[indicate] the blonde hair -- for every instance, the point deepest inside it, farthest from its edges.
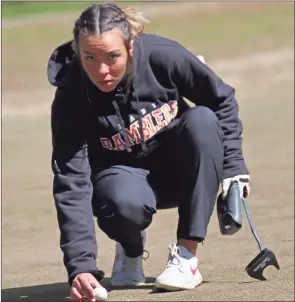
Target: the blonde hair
(136, 21)
(100, 18)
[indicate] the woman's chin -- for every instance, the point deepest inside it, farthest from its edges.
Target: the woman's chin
(106, 87)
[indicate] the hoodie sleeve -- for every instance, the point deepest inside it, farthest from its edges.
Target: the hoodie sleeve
(198, 83)
(72, 188)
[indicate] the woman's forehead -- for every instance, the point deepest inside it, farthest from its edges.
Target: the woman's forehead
(106, 41)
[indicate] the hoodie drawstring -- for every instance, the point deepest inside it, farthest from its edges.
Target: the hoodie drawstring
(122, 123)
(123, 97)
(142, 142)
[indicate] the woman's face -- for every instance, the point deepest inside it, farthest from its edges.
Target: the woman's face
(104, 58)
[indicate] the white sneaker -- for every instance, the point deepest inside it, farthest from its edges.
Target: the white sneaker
(128, 271)
(181, 271)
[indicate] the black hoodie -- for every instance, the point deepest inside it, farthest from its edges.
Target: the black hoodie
(92, 129)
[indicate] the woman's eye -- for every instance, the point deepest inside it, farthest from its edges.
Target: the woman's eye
(112, 57)
(90, 58)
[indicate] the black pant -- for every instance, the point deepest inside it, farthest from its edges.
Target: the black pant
(185, 171)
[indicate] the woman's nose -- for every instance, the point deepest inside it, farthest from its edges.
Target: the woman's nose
(103, 69)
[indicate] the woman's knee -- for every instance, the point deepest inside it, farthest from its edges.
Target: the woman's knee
(123, 206)
(200, 116)
(201, 126)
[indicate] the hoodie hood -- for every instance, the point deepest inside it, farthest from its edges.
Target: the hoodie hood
(62, 66)
(63, 70)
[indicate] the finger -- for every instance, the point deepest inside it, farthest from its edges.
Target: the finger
(88, 290)
(225, 186)
(77, 284)
(243, 190)
(94, 284)
(224, 193)
(224, 190)
(246, 191)
(75, 295)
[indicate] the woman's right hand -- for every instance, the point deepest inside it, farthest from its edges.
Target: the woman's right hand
(83, 287)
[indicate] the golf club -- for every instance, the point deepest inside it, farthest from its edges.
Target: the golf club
(266, 256)
(230, 221)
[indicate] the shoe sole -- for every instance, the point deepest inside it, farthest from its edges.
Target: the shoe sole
(169, 287)
(127, 283)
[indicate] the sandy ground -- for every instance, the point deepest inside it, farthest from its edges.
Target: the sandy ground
(31, 259)
(32, 267)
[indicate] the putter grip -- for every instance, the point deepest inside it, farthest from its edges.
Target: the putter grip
(229, 211)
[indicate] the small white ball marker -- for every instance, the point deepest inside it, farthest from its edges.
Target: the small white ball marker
(101, 293)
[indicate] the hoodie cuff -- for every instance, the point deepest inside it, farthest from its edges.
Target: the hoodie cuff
(229, 173)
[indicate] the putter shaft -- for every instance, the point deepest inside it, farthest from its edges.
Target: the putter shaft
(251, 224)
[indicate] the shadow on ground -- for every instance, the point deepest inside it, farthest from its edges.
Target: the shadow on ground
(58, 292)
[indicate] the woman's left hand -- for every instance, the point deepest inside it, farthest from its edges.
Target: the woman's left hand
(244, 185)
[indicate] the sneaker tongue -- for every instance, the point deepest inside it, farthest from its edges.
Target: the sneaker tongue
(184, 253)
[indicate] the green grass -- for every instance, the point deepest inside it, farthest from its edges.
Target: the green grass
(216, 35)
(20, 9)
(230, 33)
(13, 9)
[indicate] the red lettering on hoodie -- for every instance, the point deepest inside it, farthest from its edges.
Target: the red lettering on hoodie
(166, 112)
(145, 128)
(151, 125)
(119, 143)
(106, 143)
(158, 115)
(162, 116)
(133, 135)
(174, 108)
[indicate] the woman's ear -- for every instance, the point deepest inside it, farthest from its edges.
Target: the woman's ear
(131, 48)
(74, 46)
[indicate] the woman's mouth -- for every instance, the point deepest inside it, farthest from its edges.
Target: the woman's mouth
(105, 82)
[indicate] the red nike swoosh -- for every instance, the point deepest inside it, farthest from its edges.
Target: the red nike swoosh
(193, 270)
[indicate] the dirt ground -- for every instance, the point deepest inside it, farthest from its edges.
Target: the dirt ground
(32, 268)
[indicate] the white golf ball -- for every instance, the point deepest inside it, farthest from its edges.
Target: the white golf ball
(101, 293)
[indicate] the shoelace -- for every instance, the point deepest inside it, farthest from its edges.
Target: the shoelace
(174, 258)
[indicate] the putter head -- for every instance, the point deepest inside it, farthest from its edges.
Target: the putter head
(256, 267)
